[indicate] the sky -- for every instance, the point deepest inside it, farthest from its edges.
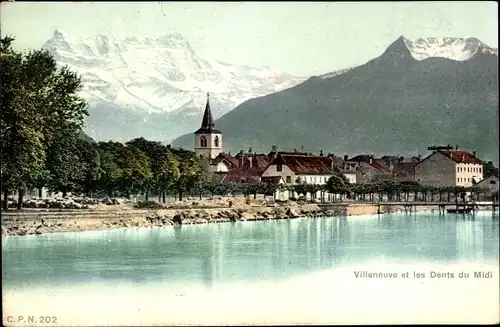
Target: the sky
(299, 38)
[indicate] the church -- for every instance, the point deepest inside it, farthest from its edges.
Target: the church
(208, 140)
(276, 166)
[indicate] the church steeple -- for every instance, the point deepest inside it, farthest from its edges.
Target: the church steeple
(208, 121)
(208, 140)
(207, 124)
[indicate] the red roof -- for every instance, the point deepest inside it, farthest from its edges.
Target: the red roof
(371, 161)
(302, 164)
(233, 162)
(258, 164)
(338, 162)
(292, 153)
(461, 156)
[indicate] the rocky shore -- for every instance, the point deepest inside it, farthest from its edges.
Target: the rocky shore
(41, 221)
(94, 215)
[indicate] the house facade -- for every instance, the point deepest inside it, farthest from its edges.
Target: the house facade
(449, 168)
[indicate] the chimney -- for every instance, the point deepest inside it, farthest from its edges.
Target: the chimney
(371, 160)
(320, 153)
(295, 150)
(419, 157)
(242, 157)
(456, 147)
(250, 161)
(302, 149)
(463, 157)
(346, 157)
(474, 153)
(274, 148)
(250, 150)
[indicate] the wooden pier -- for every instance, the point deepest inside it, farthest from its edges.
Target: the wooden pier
(468, 207)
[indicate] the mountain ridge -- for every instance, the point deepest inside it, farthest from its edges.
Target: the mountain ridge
(394, 103)
(158, 78)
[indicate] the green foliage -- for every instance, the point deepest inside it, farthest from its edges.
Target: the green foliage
(489, 168)
(41, 110)
(338, 184)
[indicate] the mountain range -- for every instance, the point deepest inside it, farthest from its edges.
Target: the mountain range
(429, 91)
(155, 87)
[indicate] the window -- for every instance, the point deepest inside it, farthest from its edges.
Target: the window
(289, 179)
(279, 167)
(216, 141)
(493, 182)
(480, 169)
(203, 141)
(458, 180)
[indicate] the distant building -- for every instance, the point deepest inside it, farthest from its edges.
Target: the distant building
(449, 168)
(249, 168)
(223, 163)
(368, 169)
(297, 167)
(208, 140)
(490, 183)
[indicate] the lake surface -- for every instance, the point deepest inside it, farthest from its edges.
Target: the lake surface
(373, 269)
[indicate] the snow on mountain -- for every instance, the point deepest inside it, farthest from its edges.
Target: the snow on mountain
(453, 48)
(458, 49)
(160, 75)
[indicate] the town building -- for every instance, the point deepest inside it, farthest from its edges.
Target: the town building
(296, 168)
(368, 169)
(490, 183)
(449, 167)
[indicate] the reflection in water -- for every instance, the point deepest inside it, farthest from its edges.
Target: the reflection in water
(266, 250)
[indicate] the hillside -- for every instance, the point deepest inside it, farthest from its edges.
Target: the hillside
(414, 95)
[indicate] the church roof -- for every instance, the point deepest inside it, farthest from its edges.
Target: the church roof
(207, 125)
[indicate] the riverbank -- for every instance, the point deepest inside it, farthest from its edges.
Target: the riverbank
(217, 210)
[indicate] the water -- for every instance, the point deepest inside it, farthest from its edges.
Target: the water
(267, 272)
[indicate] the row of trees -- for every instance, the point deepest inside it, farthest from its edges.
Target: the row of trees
(42, 143)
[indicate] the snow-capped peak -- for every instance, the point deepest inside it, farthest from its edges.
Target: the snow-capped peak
(453, 48)
(160, 75)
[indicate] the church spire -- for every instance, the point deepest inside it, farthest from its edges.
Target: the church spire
(208, 121)
(207, 124)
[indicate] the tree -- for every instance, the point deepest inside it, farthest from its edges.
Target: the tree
(166, 173)
(40, 104)
(338, 184)
(111, 171)
(88, 156)
(489, 168)
(192, 170)
(136, 170)
(64, 165)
